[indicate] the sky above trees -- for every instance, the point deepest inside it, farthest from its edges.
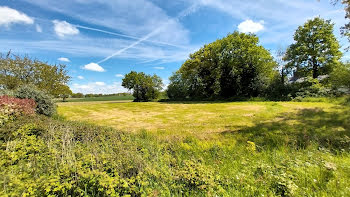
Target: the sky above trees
(102, 40)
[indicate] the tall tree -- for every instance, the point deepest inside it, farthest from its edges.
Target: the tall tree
(234, 66)
(145, 87)
(315, 51)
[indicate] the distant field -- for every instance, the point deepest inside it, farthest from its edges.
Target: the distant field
(103, 98)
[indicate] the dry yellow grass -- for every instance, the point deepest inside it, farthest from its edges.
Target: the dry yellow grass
(201, 119)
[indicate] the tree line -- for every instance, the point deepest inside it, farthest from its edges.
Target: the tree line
(237, 66)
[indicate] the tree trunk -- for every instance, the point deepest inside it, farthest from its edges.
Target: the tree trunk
(315, 71)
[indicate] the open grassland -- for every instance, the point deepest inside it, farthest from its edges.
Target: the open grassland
(180, 149)
(203, 119)
(102, 98)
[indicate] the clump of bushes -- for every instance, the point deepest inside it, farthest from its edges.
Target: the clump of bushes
(45, 104)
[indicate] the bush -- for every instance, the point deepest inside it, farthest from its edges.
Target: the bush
(6, 92)
(310, 88)
(10, 108)
(45, 104)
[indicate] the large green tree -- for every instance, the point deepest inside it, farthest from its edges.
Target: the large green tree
(234, 66)
(145, 87)
(315, 51)
(16, 71)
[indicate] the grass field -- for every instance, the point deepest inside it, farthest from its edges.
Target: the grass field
(201, 119)
(102, 98)
(234, 148)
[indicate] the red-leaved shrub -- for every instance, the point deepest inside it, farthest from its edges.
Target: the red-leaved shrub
(11, 106)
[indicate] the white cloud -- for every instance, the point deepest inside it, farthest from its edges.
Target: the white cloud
(249, 26)
(119, 75)
(62, 28)
(80, 77)
(100, 83)
(159, 68)
(10, 16)
(38, 28)
(94, 67)
(63, 59)
(131, 18)
(98, 88)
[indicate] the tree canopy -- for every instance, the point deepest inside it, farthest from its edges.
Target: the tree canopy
(315, 51)
(235, 66)
(145, 87)
(16, 71)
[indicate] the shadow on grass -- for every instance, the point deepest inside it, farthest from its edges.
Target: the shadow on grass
(237, 100)
(299, 130)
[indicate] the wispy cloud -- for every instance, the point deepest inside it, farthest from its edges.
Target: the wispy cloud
(62, 28)
(154, 32)
(159, 68)
(119, 75)
(94, 67)
(38, 28)
(130, 18)
(80, 77)
(127, 36)
(10, 16)
(98, 88)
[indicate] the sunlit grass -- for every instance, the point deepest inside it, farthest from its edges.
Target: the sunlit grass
(202, 119)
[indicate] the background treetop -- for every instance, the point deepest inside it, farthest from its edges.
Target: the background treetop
(16, 71)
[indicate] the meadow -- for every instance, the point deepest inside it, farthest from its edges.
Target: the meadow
(102, 98)
(232, 148)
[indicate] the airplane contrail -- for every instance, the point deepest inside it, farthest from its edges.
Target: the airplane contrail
(179, 16)
(125, 36)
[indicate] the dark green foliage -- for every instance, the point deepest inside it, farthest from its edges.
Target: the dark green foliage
(316, 50)
(144, 87)
(235, 66)
(279, 90)
(178, 88)
(340, 77)
(77, 95)
(45, 104)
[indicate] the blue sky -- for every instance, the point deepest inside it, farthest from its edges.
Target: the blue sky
(102, 40)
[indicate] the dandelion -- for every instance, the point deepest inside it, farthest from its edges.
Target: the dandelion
(251, 146)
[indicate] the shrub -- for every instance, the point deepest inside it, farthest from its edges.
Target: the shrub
(10, 108)
(6, 92)
(309, 88)
(45, 104)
